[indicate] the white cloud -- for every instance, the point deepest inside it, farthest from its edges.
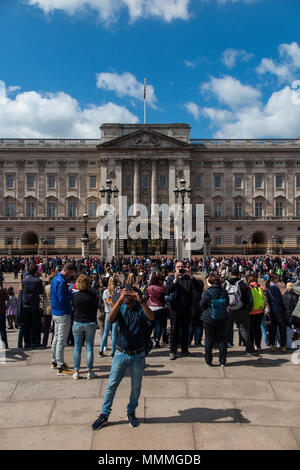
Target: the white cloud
(32, 114)
(279, 117)
(287, 67)
(193, 109)
(108, 10)
(126, 84)
(232, 56)
(189, 64)
(230, 91)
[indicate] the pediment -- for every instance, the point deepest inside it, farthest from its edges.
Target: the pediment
(145, 139)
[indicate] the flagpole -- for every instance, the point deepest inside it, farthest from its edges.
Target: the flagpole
(145, 80)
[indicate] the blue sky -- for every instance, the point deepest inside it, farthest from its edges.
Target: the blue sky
(229, 68)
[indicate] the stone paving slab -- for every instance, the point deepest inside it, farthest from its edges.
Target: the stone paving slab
(230, 388)
(284, 392)
(232, 436)
(85, 411)
(191, 410)
(26, 413)
(64, 387)
(263, 373)
(145, 437)
(266, 413)
(296, 433)
(153, 387)
(6, 390)
(47, 437)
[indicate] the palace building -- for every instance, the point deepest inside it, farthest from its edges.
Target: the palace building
(250, 188)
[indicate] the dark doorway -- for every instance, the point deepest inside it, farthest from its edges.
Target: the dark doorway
(259, 243)
(30, 243)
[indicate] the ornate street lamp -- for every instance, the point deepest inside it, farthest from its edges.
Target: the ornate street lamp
(85, 237)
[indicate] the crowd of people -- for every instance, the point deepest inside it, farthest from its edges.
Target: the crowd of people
(145, 303)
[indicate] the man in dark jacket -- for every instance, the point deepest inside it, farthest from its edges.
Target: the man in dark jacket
(3, 297)
(240, 306)
(32, 288)
(180, 289)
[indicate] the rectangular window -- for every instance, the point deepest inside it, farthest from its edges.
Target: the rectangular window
(218, 229)
(238, 229)
(238, 240)
(128, 181)
(9, 181)
(162, 181)
(145, 181)
(218, 240)
(279, 181)
(92, 209)
(51, 209)
(238, 209)
(30, 209)
(197, 181)
(218, 182)
(72, 209)
(258, 181)
(238, 182)
(10, 209)
(279, 209)
(72, 182)
(30, 181)
(298, 209)
(51, 181)
(218, 209)
(71, 241)
(258, 209)
(298, 181)
(51, 241)
(93, 182)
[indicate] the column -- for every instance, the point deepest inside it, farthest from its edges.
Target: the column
(154, 182)
(136, 183)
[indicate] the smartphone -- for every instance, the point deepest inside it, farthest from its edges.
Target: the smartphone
(182, 271)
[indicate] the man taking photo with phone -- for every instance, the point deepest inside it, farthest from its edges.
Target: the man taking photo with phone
(131, 313)
(180, 289)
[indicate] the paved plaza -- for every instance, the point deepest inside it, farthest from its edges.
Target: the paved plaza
(253, 403)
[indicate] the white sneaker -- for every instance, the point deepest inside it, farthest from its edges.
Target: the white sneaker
(105, 348)
(91, 375)
(76, 375)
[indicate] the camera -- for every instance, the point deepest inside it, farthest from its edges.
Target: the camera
(182, 271)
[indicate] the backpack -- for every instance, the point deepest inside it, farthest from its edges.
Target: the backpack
(258, 298)
(235, 295)
(218, 308)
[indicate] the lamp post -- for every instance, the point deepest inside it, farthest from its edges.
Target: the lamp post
(244, 242)
(108, 246)
(182, 191)
(248, 244)
(17, 243)
(85, 238)
(207, 239)
(273, 244)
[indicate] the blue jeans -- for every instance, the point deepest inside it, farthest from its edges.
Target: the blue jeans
(157, 324)
(118, 368)
(263, 327)
(61, 333)
(114, 329)
(196, 331)
(83, 331)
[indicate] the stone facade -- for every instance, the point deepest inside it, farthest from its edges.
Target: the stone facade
(250, 188)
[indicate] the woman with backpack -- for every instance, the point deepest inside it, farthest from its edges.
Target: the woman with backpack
(277, 313)
(214, 316)
(257, 313)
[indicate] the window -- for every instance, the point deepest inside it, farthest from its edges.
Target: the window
(238, 211)
(298, 210)
(72, 182)
(258, 209)
(92, 209)
(237, 182)
(9, 181)
(9, 229)
(93, 229)
(10, 209)
(217, 163)
(145, 181)
(279, 209)
(279, 181)
(51, 241)
(93, 163)
(279, 163)
(298, 241)
(30, 208)
(218, 182)
(218, 229)
(71, 241)
(298, 181)
(218, 209)
(51, 229)
(238, 240)
(72, 209)
(238, 163)
(51, 209)
(162, 181)
(218, 240)
(93, 182)
(30, 181)
(197, 181)
(259, 163)
(72, 229)
(258, 181)
(238, 229)
(279, 229)
(51, 181)
(128, 181)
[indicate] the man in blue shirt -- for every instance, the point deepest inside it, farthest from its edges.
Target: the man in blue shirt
(131, 313)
